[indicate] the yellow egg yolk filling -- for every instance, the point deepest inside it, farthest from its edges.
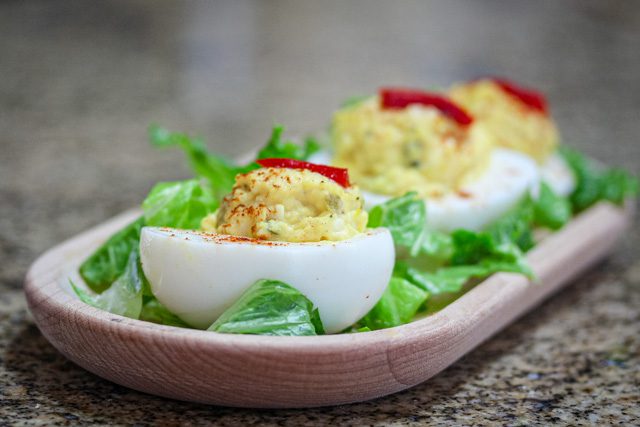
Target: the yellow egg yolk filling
(509, 122)
(416, 148)
(289, 205)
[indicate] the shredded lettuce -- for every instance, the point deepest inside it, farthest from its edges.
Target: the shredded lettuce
(397, 306)
(475, 255)
(180, 204)
(109, 261)
(153, 311)
(278, 148)
(124, 296)
(404, 216)
(596, 183)
(550, 209)
(354, 101)
(502, 242)
(452, 279)
(435, 245)
(516, 226)
(219, 172)
(459, 257)
(484, 249)
(270, 307)
(130, 296)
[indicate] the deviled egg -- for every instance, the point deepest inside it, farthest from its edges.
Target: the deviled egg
(517, 118)
(284, 223)
(414, 148)
(405, 140)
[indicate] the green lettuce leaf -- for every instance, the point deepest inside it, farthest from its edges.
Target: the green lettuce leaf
(618, 185)
(355, 328)
(397, 306)
(124, 296)
(354, 101)
(435, 244)
(595, 183)
(180, 204)
(483, 249)
(109, 261)
(453, 278)
(460, 256)
(404, 216)
(217, 170)
(550, 209)
(270, 307)
(153, 311)
(278, 148)
(516, 226)
(479, 254)
(130, 296)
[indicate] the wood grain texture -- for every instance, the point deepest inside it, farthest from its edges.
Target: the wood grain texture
(268, 372)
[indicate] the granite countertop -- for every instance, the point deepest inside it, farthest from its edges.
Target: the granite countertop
(79, 84)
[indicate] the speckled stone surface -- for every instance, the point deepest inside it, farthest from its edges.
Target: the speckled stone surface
(79, 84)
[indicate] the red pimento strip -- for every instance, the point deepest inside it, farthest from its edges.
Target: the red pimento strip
(532, 99)
(339, 175)
(398, 98)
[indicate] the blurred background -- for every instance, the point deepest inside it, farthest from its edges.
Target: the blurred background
(80, 82)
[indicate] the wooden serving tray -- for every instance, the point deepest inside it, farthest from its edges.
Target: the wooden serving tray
(269, 372)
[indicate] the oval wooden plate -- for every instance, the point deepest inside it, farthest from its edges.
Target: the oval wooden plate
(269, 372)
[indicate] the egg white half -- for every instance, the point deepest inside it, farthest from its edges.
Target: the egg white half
(198, 275)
